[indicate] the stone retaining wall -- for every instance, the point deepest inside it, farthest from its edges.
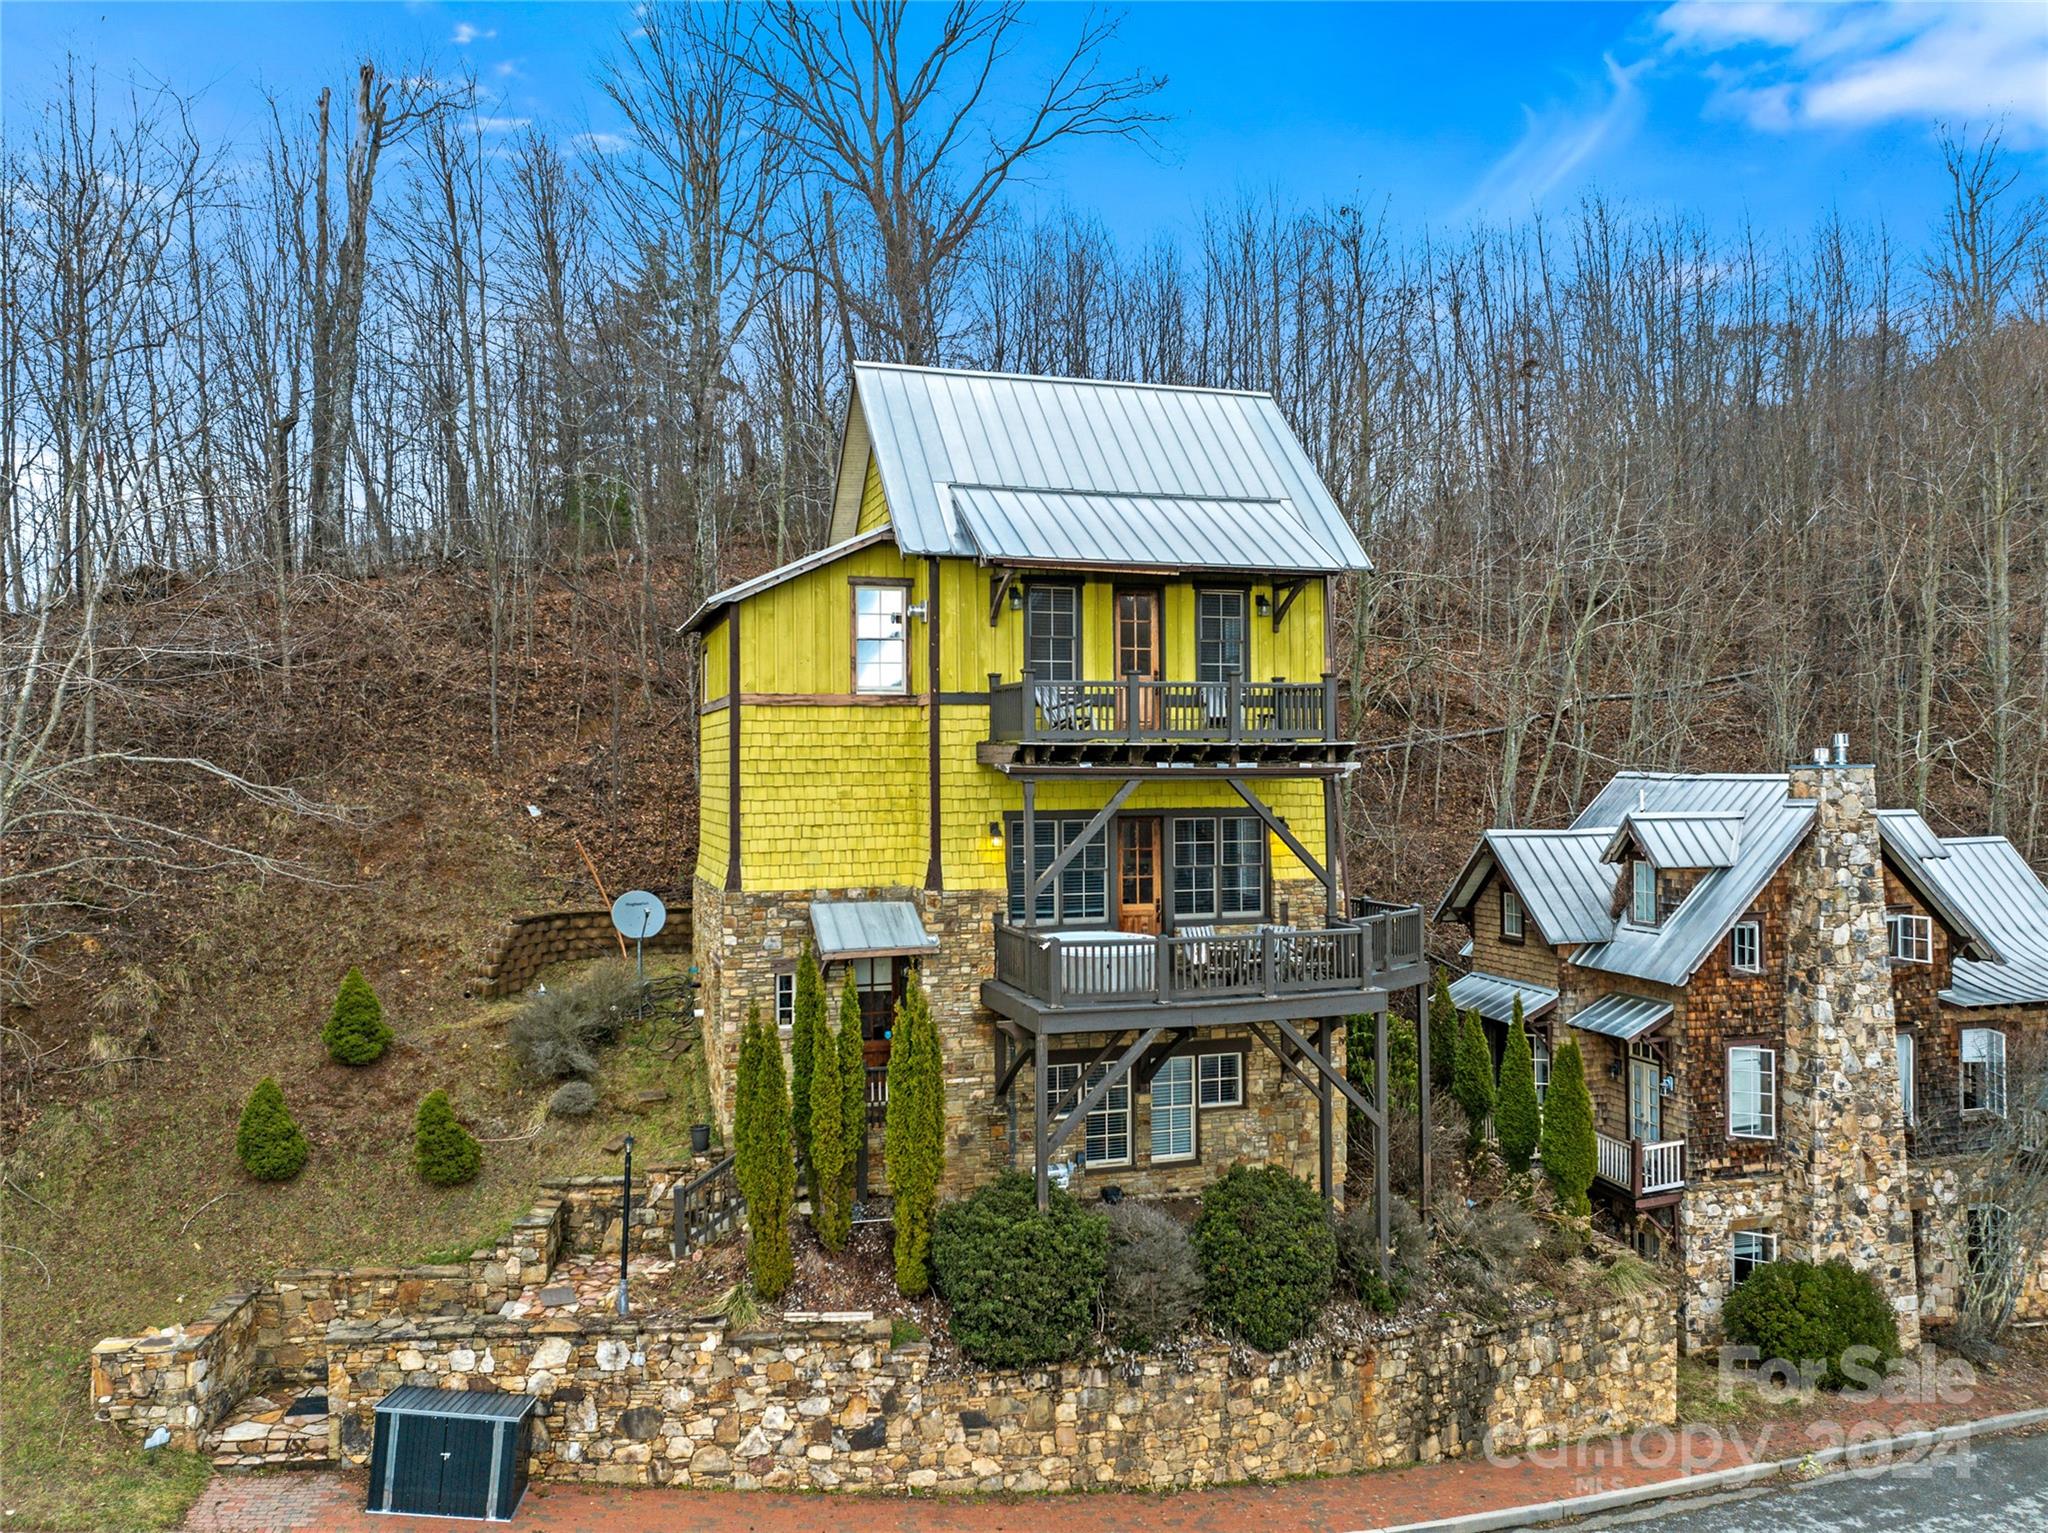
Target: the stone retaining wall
(533, 943)
(185, 1379)
(826, 1401)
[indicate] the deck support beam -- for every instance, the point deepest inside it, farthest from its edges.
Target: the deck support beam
(1073, 848)
(1118, 1069)
(1279, 828)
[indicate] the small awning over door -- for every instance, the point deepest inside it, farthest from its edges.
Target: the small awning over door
(868, 929)
(1622, 1016)
(1493, 997)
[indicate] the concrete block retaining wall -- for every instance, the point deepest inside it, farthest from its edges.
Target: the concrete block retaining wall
(530, 944)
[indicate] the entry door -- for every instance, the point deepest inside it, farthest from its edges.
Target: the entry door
(1645, 1101)
(1137, 861)
(1137, 651)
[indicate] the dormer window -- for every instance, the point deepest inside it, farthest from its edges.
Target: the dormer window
(1510, 916)
(1642, 899)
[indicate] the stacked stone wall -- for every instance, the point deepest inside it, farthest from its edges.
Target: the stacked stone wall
(828, 1402)
(183, 1380)
(1846, 1188)
(529, 945)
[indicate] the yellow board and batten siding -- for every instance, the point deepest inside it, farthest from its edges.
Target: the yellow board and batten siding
(833, 789)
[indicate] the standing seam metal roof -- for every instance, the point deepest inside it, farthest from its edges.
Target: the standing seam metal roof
(932, 429)
(1493, 996)
(1622, 1016)
(1681, 840)
(2008, 904)
(868, 928)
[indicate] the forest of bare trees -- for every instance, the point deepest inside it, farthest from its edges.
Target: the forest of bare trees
(1626, 480)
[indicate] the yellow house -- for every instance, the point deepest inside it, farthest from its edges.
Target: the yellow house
(1051, 719)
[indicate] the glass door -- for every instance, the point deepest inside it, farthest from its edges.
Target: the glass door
(1137, 652)
(1137, 884)
(1645, 1100)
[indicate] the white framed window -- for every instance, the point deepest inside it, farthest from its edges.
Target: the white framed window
(1106, 1137)
(1173, 1109)
(1511, 926)
(1746, 947)
(1907, 1050)
(785, 1003)
(1052, 632)
(1220, 1079)
(1749, 1250)
(1642, 901)
(1984, 1071)
(1912, 936)
(881, 642)
(1752, 1092)
(1539, 1056)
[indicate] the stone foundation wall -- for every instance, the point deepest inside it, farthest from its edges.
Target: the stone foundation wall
(184, 1379)
(827, 1402)
(531, 944)
(1941, 1205)
(1707, 1218)
(744, 940)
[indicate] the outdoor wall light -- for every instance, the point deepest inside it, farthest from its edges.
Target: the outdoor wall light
(1016, 597)
(1263, 604)
(1614, 1069)
(995, 834)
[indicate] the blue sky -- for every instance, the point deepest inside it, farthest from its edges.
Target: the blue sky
(1762, 111)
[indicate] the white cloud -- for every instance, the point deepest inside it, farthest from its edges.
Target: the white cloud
(597, 143)
(503, 124)
(1784, 66)
(1556, 143)
(465, 34)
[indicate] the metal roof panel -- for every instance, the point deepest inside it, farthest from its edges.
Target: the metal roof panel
(1622, 1016)
(1493, 996)
(933, 429)
(868, 928)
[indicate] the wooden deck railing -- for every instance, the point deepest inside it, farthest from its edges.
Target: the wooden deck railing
(1638, 1167)
(1092, 968)
(1141, 711)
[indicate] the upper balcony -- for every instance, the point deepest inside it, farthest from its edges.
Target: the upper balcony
(1077, 981)
(1141, 719)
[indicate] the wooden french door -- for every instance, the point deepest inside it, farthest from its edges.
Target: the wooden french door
(1137, 863)
(1138, 650)
(1645, 1100)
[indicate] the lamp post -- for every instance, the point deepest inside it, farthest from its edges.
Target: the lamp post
(625, 1224)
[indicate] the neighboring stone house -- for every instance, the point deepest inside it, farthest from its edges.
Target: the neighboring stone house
(1088, 619)
(1795, 1009)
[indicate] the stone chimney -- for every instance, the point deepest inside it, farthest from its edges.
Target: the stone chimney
(1846, 1192)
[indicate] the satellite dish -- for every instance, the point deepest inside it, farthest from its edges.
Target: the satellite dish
(638, 914)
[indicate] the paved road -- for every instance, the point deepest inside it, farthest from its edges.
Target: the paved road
(2000, 1483)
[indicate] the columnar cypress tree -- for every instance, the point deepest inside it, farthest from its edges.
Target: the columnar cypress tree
(831, 1145)
(1569, 1153)
(356, 1032)
(1517, 1117)
(1443, 1035)
(853, 1080)
(1472, 1081)
(804, 1031)
(913, 1135)
(761, 1156)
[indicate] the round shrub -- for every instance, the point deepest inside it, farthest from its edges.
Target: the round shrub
(1810, 1316)
(1022, 1284)
(1152, 1287)
(269, 1142)
(1268, 1254)
(443, 1151)
(573, 1099)
(356, 1032)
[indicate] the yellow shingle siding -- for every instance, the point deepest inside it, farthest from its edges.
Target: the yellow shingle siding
(717, 667)
(874, 508)
(832, 797)
(797, 638)
(714, 830)
(834, 794)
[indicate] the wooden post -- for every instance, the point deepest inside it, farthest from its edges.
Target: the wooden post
(1042, 1180)
(1380, 1140)
(1422, 1167)
(1325, 1120)
(1030, 830)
